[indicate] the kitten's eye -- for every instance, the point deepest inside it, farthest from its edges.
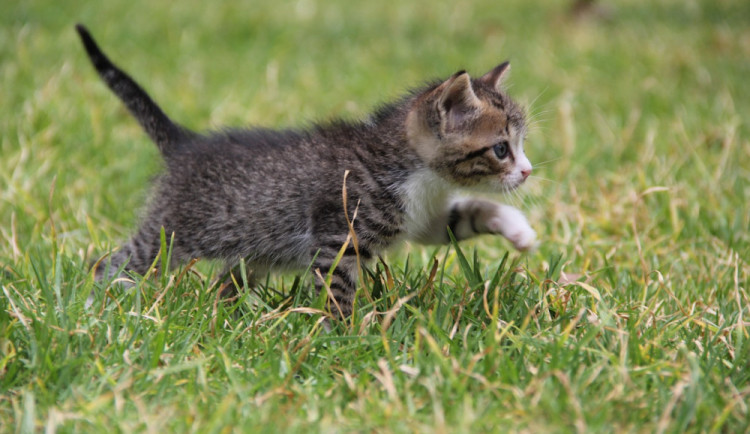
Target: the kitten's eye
(501, 149)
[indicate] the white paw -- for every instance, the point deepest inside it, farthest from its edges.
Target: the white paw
(524, 239)
(512, 224)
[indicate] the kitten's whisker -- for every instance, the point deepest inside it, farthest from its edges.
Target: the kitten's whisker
(515, 198)
(544, 179)
(537, 125)
(538, 116)
(520, 197)
(539, 95)
(542, 163)
(511, 197)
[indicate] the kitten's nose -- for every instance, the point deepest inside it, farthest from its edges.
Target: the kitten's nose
(525, 173)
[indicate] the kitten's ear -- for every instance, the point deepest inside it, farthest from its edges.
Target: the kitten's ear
(495, 77)
(457, 99)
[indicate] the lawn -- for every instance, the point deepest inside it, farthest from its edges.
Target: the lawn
(632, 315)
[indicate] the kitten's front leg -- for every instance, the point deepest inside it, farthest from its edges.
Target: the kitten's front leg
(469, 217)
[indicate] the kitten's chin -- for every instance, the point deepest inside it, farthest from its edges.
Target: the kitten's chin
(516, 185)
(507, 188)
(512, 184)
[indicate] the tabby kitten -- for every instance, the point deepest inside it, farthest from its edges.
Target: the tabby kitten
(274, 198)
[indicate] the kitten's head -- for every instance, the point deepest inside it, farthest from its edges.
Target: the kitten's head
(470, 132)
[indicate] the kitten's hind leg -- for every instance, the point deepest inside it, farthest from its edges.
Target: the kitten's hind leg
(109, 268)
(230, 279)
(136, 256)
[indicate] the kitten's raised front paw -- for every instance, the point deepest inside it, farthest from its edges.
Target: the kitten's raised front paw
(512, 224)
(524, 239)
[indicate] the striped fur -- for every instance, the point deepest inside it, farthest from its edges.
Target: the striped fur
(274, 198)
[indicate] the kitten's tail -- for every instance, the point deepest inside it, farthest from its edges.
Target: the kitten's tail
(163, 131)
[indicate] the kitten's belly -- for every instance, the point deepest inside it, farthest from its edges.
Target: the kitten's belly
(290, 251)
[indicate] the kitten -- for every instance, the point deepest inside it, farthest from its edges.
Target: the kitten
(274, 198)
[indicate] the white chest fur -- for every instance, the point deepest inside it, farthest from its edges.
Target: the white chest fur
(425, 196)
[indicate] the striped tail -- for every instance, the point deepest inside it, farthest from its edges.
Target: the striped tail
(163, 131)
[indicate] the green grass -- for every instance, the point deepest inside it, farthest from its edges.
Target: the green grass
(633, 315)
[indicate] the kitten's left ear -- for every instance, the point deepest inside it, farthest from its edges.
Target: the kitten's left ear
(457, 100)
(495, 77)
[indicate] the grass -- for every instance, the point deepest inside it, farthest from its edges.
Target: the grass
(632, 315)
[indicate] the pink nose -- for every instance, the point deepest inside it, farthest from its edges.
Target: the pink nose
(525, 173)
